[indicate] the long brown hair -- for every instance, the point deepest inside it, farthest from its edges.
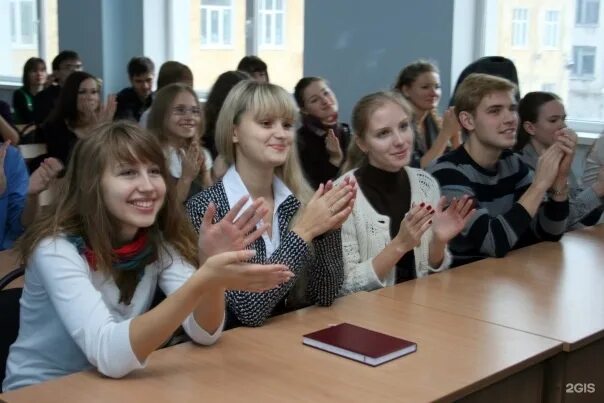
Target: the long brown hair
(361, 115)
(79, 208)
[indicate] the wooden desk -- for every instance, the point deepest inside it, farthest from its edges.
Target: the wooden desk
(555, 290)
(456, 357)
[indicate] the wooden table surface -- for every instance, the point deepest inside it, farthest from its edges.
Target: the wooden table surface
(552, 289)
(456, 356)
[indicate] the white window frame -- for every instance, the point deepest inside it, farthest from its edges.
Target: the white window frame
(520, 28)
(15, 23)
(262, 15)
(221, 43)
(581, 12)
(485, 15)
(551, 30)
(578, 62)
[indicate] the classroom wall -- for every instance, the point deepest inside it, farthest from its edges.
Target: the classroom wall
(360, 47)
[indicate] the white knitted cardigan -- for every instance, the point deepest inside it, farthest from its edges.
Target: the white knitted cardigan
(365, 233)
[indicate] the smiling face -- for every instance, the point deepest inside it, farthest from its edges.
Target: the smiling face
(388, 141)
(424, 92)
(494, 123)
(264, 142)
(88, 96)
(320, 102)
(133, 194)
(550, 119)
(184, 118)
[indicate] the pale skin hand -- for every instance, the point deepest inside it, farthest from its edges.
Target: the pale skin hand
(567, 141)
(230, 233)
(545, 174)
(450, 131)
(40, 179)
(412, 227)
(448, 222)
(329, 207)
(107, 111)
(203, 294)
(332, 145)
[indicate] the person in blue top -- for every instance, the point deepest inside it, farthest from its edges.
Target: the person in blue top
(19, 193)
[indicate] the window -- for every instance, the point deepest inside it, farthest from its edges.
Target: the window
(271, 17)
(573, 65)
(23, 23)
(551, 29)
(587, 12)
(216, 23)
(520, 27)
(584, 61)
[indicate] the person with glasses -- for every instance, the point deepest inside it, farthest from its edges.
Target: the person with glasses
(63, 65)
(176, 120)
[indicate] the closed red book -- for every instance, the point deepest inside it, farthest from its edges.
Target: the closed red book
(360, 344)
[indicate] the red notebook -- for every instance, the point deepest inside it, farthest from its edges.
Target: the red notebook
(360, 344)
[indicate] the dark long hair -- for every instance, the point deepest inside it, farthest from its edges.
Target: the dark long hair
(528, 111)
(31, 65)
(67, 105)
(221, 88)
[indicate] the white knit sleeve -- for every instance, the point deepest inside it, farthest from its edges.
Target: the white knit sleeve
(359, 274)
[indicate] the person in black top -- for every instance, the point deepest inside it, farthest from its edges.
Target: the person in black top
(34, 78)
(63, 65)
(255, 67)
(133, 101)
(322, 140)
(78, 111)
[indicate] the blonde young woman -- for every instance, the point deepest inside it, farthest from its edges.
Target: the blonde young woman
(255, 135)
(176, 120)
(94, 259)
(399, 227)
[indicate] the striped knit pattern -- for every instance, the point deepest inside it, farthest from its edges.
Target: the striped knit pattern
(323, 270)
(500, 223)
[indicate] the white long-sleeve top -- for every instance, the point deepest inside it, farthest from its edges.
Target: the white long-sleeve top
(365, 233)
(71, 319)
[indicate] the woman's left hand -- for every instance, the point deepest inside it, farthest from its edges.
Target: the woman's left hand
(448, 222)
(567, 140)
(332, 145)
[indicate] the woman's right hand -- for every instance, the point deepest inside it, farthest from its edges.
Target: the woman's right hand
(548, 166)
(327, 209)
(231, 271)
(417, 221)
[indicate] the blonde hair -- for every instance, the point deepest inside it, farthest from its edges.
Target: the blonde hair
(477, 86)
(361, 115)
(161, 110)
(263, 101)
(79, 208)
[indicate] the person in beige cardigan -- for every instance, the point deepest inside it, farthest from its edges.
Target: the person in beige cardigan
(400, 225)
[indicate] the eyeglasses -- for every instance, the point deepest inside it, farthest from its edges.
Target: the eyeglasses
(72, 66)
(183, 110)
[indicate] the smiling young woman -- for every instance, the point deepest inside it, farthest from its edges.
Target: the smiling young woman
(113, 234)
(255, 135)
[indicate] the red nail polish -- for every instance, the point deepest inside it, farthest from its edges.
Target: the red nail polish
(422, 204)
(429, 208)
(430, 222)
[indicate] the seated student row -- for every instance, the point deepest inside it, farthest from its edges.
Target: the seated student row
(258, 137)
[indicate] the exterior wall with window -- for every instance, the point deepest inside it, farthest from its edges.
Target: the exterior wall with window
(536, 35)
(285, 60)
(586, 95)
(21, 35)
(214, 48)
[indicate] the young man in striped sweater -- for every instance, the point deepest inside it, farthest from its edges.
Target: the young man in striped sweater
(515, 207)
